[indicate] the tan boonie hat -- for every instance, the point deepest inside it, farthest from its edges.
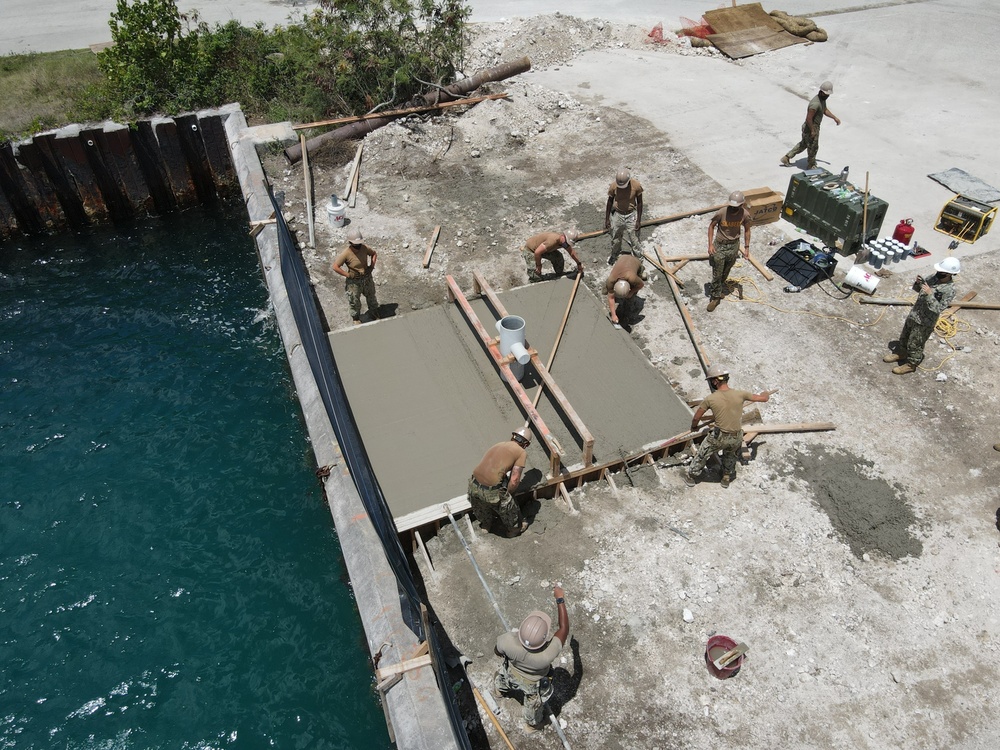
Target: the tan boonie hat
(826, 87)
(534, 630)
(355, 237)
(622, 178)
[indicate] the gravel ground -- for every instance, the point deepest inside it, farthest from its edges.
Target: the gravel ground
(859, 565)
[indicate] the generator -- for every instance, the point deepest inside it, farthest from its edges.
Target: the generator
(833, 210)
(965, 219)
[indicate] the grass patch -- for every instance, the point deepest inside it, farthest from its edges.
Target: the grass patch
(41, 89)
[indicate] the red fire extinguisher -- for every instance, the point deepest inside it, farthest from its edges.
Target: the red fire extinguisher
(904, 231)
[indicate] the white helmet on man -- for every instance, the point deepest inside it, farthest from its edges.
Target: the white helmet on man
(534, 630)
(948, 265)
(716, 371)
(522, 436)
(623, 178)
(736, 198)
(622, 288)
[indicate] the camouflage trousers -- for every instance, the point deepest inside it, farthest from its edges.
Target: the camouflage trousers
(716, 440)
(355, 288)
(555, 257)
(623, 228)
(722, 262)
(809, 144)
(489, 503)
(912, 340)
(533, 694)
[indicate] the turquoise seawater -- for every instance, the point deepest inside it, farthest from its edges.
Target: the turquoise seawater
(169, 572)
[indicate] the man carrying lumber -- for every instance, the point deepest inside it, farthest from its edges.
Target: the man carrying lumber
(528, 654)
(626, 278)
(726, 406)
(623, 214)
(548, 246)
(810, 128)
(724, 244)
(936, 294)
(356, 263)
(491, 490)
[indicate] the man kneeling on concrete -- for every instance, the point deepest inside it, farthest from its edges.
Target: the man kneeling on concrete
(491, 490)
(528, 654)
(726, 406)
(626, 278)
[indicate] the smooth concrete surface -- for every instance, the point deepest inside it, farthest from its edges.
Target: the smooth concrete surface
(415, 705)
(429, 401)
(911, 85)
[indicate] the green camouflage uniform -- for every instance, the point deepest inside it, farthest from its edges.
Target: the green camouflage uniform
(623, 227)
(355, 288)
(923, 318)
(810, 142)
(535, 694)
(722, 262)
(555, 257)
(716, 440)
(493, 502)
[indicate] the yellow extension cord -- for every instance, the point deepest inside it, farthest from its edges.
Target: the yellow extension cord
(946, 328)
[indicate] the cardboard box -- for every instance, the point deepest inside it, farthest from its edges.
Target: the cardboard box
(764, 205)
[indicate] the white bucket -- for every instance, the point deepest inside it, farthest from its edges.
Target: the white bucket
(860, 279)
(336, 211)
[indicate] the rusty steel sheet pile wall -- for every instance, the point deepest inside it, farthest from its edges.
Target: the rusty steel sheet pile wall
(428, 400)
(79, 176)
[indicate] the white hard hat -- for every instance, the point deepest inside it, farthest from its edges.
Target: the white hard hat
(622, 288)
(571, 235)
(826, 87)
(355, 237)
(716, 371)
(736, 198)
(949, 265)
(534, 630)
(622, 178)
(524, 435)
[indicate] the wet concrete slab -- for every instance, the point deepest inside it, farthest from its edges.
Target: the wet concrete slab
(429, 401)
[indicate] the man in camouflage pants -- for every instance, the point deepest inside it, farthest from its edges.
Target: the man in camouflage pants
(548, 246)
(726, 406)
(491, 492)
(623, 214)
(356, 263)
(724, 244)
(936, 294)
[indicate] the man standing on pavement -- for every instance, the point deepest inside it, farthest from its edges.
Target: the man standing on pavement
(356, 263)
(936, 294)
(726, 406)
(724, 244)
(626, 278)
(623, 214)
(528, 654)
(810, 128)
(491, 490)
(547, 246)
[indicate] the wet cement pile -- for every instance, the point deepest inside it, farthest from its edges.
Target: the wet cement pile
(868, 513)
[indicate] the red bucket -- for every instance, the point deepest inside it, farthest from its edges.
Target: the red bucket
(717, 646)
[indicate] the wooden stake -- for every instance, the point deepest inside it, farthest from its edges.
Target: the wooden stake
(493, 718)
(307, 175)
(354, 181)
(349, 185)
(430, 247)
(685, 258)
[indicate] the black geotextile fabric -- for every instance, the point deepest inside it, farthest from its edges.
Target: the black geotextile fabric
(331, 388)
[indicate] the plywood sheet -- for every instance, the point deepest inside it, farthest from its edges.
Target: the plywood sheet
(428, 400)
(747, 30)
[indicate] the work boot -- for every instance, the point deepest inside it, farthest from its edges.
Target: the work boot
(890, 358)
(785, 161)
(689, 479)
(712, 304)
(811, 165)
(726, 479)
(373, 311)
(903, 369)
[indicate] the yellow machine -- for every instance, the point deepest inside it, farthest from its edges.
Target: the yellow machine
(966, 219)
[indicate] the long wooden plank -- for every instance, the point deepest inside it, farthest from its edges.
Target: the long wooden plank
(349, 186)
(660, 220)
(430, 246)
(398, 112)
(307, 176)
(663, 267)
(761, 429)
(760, 267)
(555, 453)
(688, 324)
(544, 374)
(962, 304)
(403, 666)
(685, 258)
